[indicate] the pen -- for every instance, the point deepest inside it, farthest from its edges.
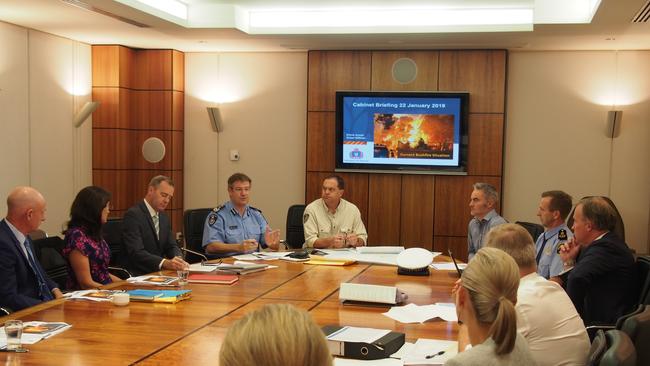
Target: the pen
(428, 357)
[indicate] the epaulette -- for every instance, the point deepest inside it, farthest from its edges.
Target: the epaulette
(218, 208)
(256, 209)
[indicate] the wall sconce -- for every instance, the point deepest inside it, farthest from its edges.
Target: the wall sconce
(215, 119)
(613, 127)
(84, 112)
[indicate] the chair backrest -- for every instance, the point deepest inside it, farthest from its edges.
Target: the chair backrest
(193, 223)
(112, 234)
(48, 252)
(597, 349)
(643, 270)
(637, 327)
(295, 233)
(619, 230)
(535, 230)
(620, 350)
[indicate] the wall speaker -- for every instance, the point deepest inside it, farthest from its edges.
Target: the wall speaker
(613, 128)
(215, 119)
(84, 112)
(404, 70)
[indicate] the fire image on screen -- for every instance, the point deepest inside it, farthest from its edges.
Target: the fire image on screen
(414, 136)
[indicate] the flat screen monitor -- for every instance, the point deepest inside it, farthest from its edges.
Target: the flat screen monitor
(402, 132)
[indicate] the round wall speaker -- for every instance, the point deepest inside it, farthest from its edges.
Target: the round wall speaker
(153, 150)
(405, 70)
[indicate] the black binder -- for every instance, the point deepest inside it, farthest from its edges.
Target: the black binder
(381, 348)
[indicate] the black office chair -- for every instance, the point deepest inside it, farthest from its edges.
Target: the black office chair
(112, 234)
(643, 270)
(637, 327)
(535, 230)
(612, 348)
(49, 251)
(193, 223)
(295, 232)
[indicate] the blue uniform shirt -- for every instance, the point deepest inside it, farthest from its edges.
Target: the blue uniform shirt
(549, 263)
(225, 225)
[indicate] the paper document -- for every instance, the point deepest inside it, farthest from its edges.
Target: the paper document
(353, 362)
(92, 295)
(447, 266)
(264, 256)
(368, 293)
(437, 351)
(202, 268)
(357, 335)
(380, 250)
(35, 331)
(154, 280)
(412, 313)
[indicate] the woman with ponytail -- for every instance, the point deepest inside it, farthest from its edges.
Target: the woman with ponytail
(485, 303)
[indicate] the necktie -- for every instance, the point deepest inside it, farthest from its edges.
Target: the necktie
(541, 249)
(43, 291)
(156, 224)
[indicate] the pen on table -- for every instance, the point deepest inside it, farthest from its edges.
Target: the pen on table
(434, 355)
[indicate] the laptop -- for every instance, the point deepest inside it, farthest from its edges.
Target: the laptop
(458, 269)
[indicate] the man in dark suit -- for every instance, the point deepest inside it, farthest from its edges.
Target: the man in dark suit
(146, 232)
(23, 282)
(603, 283)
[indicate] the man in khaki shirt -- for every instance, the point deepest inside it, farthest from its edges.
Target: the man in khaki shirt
(331, 221)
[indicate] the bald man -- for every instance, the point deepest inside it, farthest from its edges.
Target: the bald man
(23, 282)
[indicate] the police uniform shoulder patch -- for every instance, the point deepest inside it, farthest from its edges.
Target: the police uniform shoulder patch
(561, 235)
(305, 217)
(212, 218)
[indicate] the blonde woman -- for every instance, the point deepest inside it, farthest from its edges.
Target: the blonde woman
(485, 303)
(277, 334)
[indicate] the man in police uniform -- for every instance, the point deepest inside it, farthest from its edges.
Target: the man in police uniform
(331, 221)
(235, 227)
(554, 207)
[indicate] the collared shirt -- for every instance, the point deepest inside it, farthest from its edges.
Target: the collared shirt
(477, 231)
(550, 264)
(19, 236)
(548, 320)
(225, 225)
(319, 222)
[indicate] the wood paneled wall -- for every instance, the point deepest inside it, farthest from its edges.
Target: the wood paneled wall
(142, 95)
(410, 210)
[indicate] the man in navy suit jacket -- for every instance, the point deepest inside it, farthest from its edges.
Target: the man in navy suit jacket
(23, 282)
(151, 247)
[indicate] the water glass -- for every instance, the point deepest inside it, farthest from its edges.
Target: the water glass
(182, 276)
(14, 330)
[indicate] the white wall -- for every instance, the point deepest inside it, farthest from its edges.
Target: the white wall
(556, 111)
(44, 80)
(263, 99)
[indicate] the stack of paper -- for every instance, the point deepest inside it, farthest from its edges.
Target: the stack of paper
(35, 331)
(203, 267)
(412, 313)
(266, 256)
(166, 296)
(242, 268)
(92, 295)
(154, 280)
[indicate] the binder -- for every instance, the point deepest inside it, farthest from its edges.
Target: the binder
(381, 348)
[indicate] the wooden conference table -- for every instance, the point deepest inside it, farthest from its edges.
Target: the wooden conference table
(191, 332)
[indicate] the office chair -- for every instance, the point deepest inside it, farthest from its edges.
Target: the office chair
(295, 232)
(535, 230)
(49, 251)
(112, 234)
(643, 270)
(193, 223)
(612, 348)
(637, 327)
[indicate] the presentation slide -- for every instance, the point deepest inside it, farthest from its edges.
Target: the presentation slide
(401, 131)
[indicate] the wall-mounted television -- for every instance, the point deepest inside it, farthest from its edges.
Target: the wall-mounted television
(402, 132)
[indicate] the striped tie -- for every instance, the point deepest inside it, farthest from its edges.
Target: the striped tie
(156, 224)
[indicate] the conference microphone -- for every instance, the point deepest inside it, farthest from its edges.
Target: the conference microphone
(205, 259)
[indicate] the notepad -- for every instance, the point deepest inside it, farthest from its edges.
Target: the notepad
(363, 293)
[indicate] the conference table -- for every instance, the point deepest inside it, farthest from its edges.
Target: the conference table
(190, 332)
